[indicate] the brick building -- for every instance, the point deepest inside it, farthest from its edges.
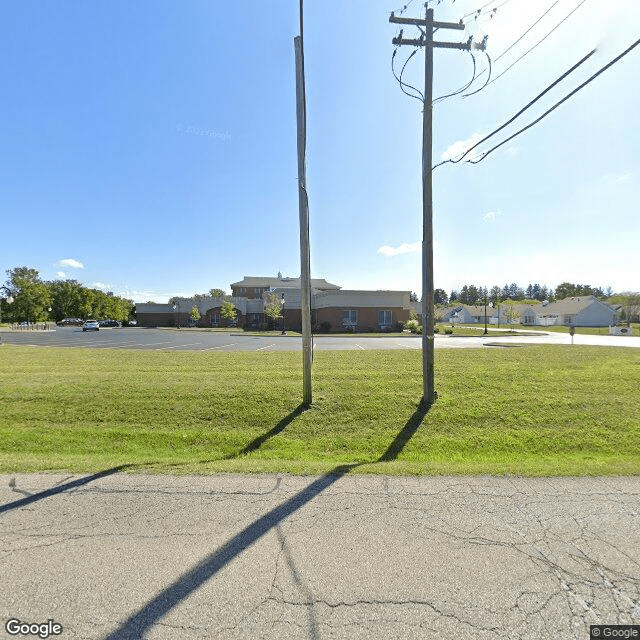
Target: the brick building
(332, 308)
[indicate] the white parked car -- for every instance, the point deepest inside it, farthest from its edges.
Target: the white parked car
(91, 325)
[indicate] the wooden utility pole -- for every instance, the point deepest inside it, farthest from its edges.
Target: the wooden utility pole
(426, 40)
(303, 205)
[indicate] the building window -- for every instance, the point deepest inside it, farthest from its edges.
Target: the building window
(384, 318)
(568, 319)
(349, 318)
(257, 292)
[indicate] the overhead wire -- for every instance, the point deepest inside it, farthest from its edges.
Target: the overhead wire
(527, 31)
(466, 95)
(537, 44)
(557, 104)
(462, 89)
(403, 84)
(517, 115)
(478, 12)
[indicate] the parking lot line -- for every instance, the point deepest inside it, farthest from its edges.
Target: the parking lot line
(179, 346)
(267, 347)
(222, 346)
(359, 347)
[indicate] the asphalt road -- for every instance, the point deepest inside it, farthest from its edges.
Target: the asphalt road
(119, 556)
(193, 340)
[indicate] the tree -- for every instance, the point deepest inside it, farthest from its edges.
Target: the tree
(228, 312)
(273, 307)
(216, 293)
(495, 295)
(631, 308)
(194, 314)
(31, 296)
(440, 296)
(510, 313)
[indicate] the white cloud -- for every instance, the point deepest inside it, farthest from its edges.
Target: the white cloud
(70, 262)
(405, 247)
(61, 274)
(491, 216)
(101, 285)
(460, 146)
(617, 178)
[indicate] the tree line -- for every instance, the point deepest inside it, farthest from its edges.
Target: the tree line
(473, 295)
(36, 300)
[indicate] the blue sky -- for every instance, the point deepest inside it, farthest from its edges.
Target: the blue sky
(149, 147)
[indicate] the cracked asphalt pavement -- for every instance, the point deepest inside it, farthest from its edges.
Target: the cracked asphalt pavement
(120, 556)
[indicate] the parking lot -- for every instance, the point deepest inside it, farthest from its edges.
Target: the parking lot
(194, 340)
(198, 340)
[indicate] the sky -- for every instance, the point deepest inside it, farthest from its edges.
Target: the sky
(149, 146)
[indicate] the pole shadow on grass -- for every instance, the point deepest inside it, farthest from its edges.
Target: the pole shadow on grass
(139, 623)
(61, 488)
(260, 440)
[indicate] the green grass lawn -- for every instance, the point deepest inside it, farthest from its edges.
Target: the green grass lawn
(594, 331)
(539, 410)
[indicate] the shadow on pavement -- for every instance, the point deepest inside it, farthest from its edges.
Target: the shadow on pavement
(139, 623)
(61, 488)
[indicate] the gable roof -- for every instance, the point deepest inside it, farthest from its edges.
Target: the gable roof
(569, 306)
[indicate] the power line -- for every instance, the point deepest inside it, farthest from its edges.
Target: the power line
(557, 104)
(466, 86)
(479, 11)
(527, 31)
(402, 84)
(539, 41)
(466, 95)
(527, 106)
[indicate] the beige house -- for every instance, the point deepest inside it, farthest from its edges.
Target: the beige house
(582, 311)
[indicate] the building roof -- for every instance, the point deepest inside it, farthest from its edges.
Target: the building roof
(567, 306)
(283, 282)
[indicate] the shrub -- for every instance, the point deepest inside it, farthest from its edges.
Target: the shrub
(448, 331)
(413, 326)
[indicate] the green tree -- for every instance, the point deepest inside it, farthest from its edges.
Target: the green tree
(31, 296)
(510, 312)
(273, 308)
(440, 296)
(228, 312)
(216, 293)
(194, 314)
(495, 295)
(67, 298)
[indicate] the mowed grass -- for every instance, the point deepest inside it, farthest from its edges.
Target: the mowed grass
(539, 410)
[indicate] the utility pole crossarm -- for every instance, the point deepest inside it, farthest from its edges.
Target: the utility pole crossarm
(464, 46)
(436, 25)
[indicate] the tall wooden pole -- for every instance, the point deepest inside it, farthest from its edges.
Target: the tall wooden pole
(426, 40)
(428, 394)
(303, 205)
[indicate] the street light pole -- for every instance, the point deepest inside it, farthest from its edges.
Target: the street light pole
(485, 313)
(282, 313)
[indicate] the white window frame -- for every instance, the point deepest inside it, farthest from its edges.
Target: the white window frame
(349, 318)
(381, 318)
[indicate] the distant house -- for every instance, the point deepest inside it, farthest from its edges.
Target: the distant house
(582, 311)
(577, 311)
